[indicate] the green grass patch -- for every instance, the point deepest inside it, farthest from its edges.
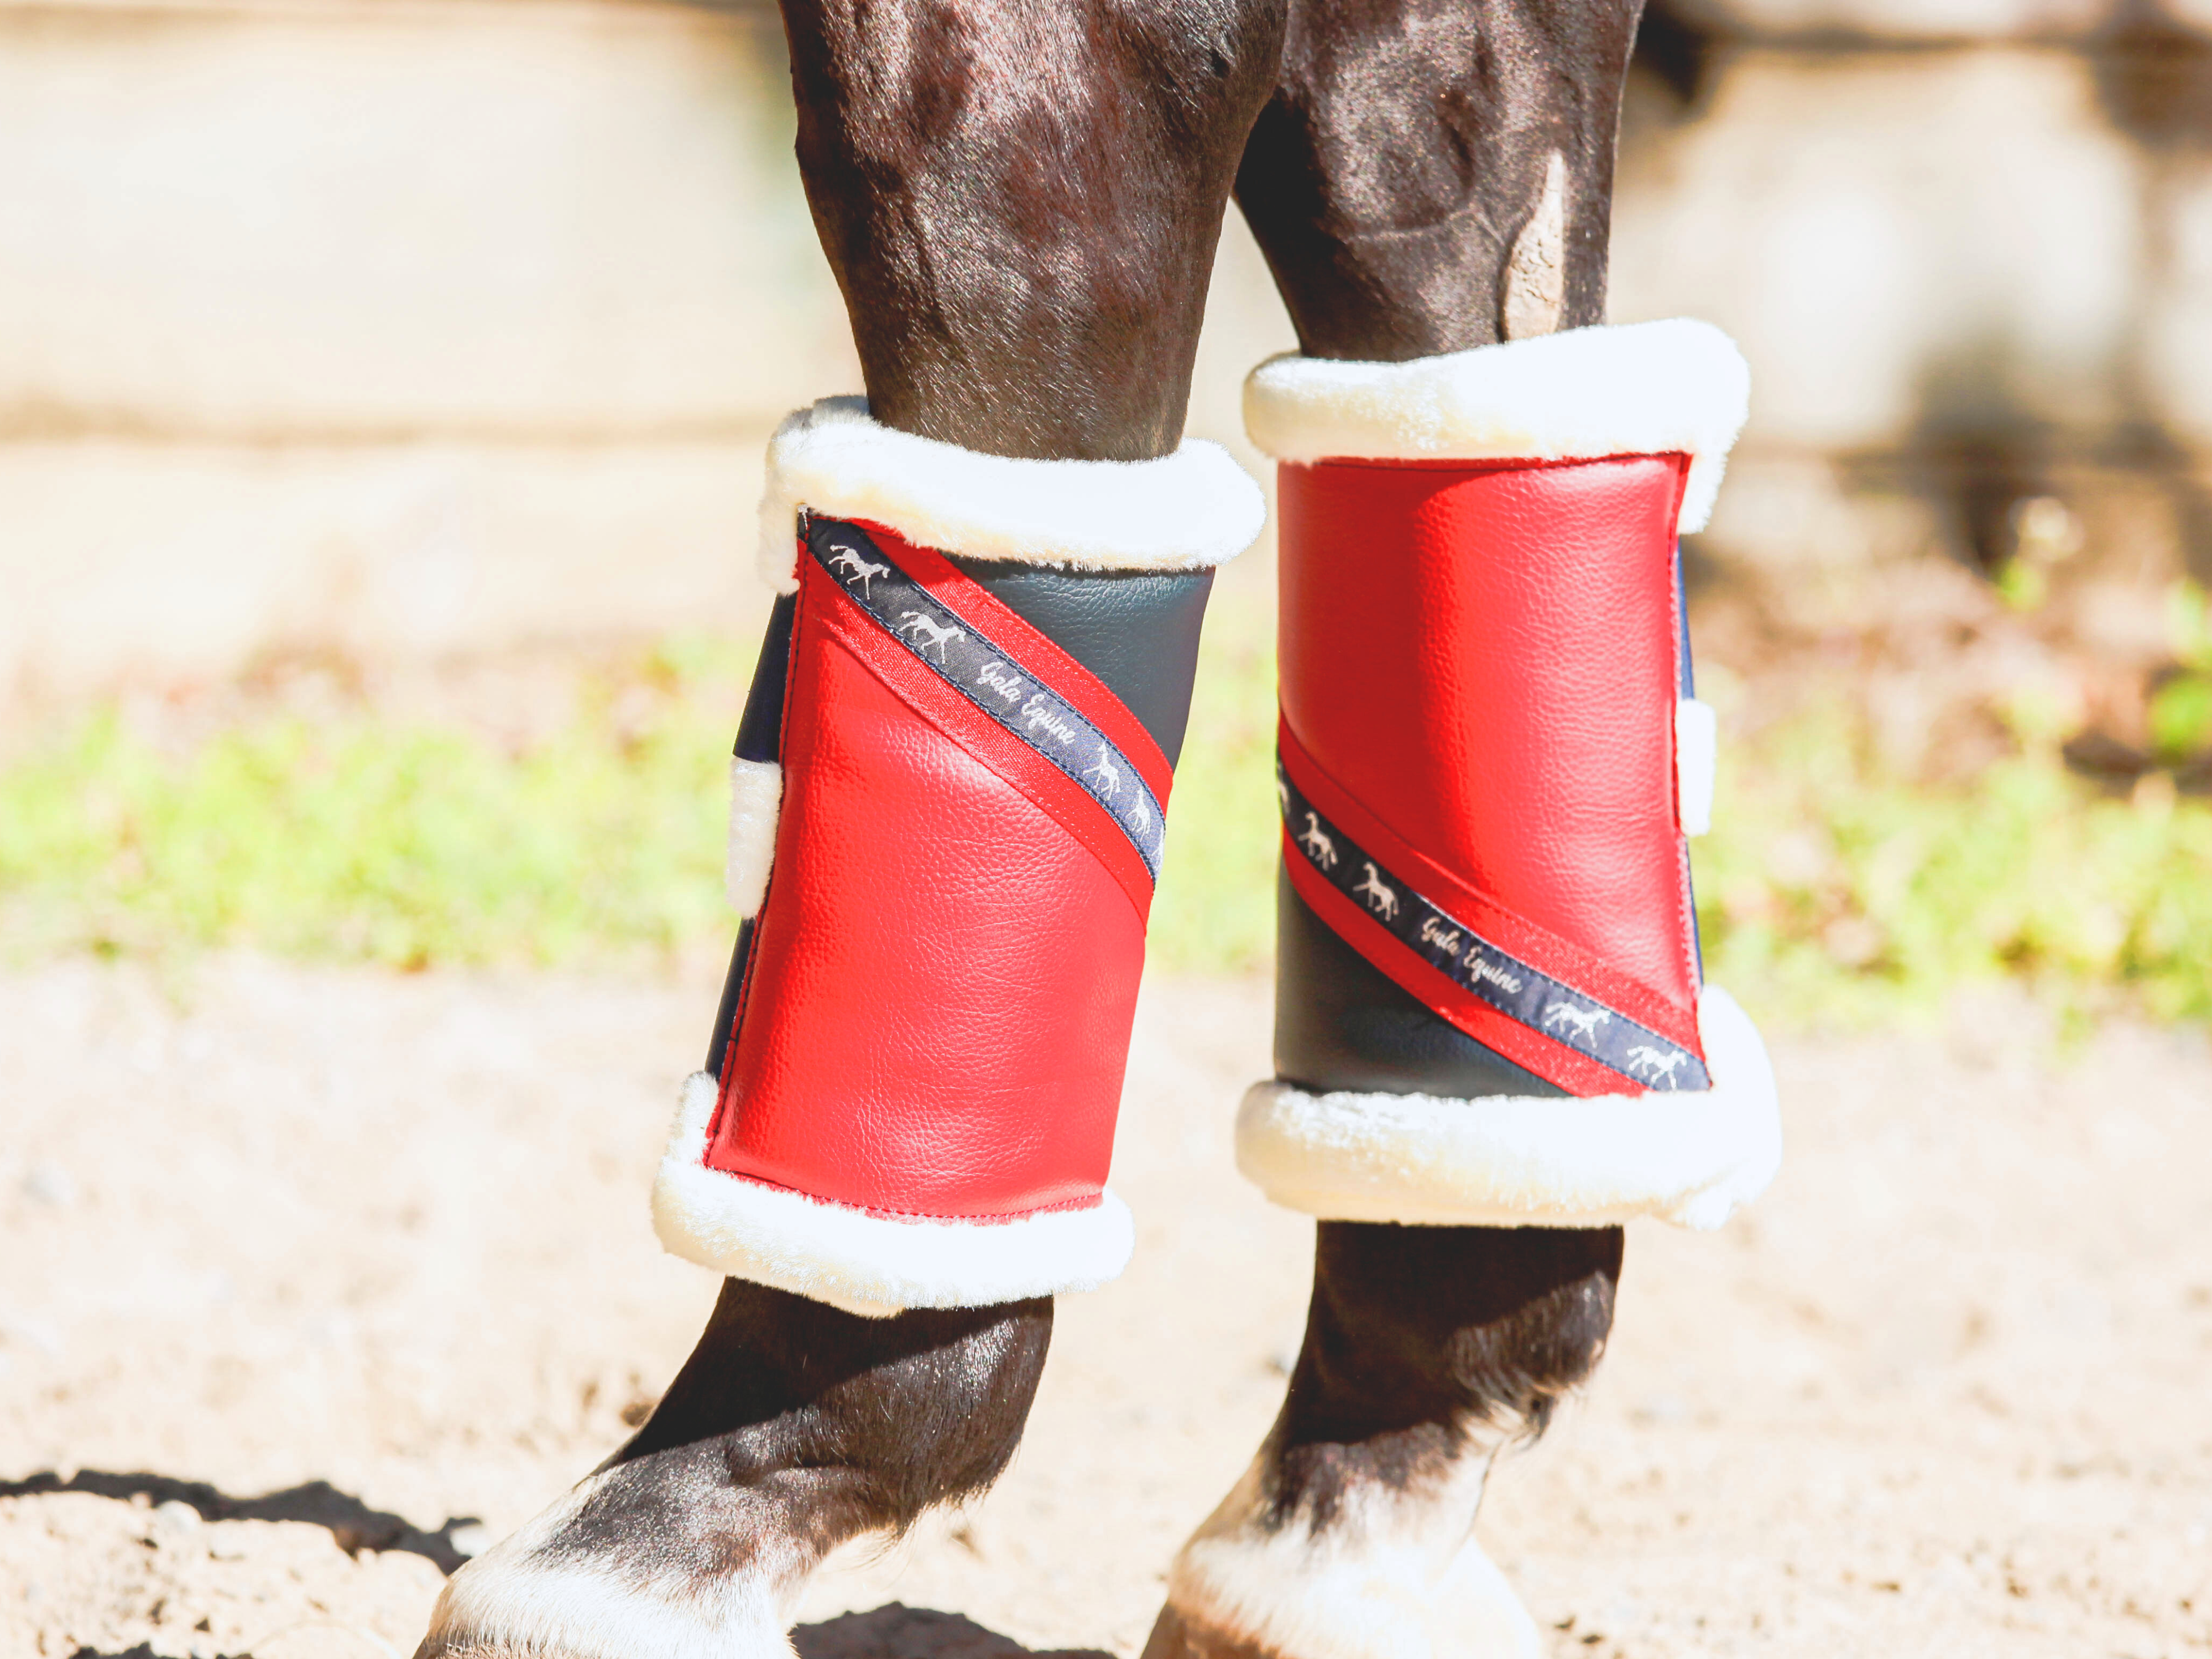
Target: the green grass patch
(375, 839)
(1830, 889)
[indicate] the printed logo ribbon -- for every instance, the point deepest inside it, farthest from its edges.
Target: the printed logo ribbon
(1507, 984)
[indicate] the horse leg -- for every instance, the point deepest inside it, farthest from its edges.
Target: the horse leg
(1480, 669)
(897, 1151)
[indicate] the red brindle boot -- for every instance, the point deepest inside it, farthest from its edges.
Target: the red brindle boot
(951, 791)
(1491, 1009)
(1489, 1005)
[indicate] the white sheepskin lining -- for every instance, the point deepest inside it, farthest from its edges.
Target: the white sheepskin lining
(1186, 511)
(756, 798)
(869, 1264)
(1644, 389)
(1507, 1161)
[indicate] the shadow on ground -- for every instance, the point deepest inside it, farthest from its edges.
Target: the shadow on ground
(891, 1632)
(352, 1523)
(897, 1631)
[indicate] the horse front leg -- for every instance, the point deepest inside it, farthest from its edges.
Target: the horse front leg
(950, 787)
(1492, 1041)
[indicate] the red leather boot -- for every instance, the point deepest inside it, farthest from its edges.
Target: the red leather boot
(951, 793)
(1490, 1008)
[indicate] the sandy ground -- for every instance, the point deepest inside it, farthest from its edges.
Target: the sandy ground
(367, 1258)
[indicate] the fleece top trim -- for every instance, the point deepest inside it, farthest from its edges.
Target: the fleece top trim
(1186, 511)
(1674, 387)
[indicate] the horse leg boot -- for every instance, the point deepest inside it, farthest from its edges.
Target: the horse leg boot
(1493, 1041)
(955, 773)
(951, 782)
(1490, 1013)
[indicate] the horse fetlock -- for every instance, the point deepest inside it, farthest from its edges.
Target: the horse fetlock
(1382, 1571)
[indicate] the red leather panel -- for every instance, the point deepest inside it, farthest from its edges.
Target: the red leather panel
(1482, 656)
(1044, 784)
(936, 1016)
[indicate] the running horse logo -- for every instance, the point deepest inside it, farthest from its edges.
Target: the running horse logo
(1106, 772)
(1319, 848)
(927, 633)
(1647, 1062)
(1383, 898)
(1140, 817)
(848, 559)
(1565, 1016)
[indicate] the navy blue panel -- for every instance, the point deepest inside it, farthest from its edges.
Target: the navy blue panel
(1689, 690)
(1342, 1022)
(725, 1016)
(1689, 678)
(1137, 631)
(760, 732)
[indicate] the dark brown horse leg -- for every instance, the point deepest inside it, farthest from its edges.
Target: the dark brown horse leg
(1020, 202)
(1432, 176)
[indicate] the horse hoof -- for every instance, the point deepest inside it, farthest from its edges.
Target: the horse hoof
(1369, 1581)
(592, 1580)
(1476, 1616)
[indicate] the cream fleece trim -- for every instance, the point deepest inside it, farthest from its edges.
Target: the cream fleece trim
(1643, 389)
(756, 798)
(1183, 512)
(870, 1264)
(1509, 1161)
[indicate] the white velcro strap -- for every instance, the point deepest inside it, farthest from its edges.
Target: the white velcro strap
(756, 798)
(1696, 747)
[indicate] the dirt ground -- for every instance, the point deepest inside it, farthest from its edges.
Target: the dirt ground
(311, 1281)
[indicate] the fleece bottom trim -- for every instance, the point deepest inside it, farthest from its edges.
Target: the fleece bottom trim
(1692, 1158)
(869, 1264)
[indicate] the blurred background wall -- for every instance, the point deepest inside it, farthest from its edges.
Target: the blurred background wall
(442, 327)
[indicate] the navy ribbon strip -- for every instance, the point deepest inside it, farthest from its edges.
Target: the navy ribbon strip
(1501, 980)
(993, 679)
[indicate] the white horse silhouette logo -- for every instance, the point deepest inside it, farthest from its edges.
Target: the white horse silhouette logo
(862, 572)
(1140, 817)
(1565, 1016)
(1645, 1061)
(1283, 794)
(1382, 897)
(927, 632)
(1106, 772)
(1319, 848)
